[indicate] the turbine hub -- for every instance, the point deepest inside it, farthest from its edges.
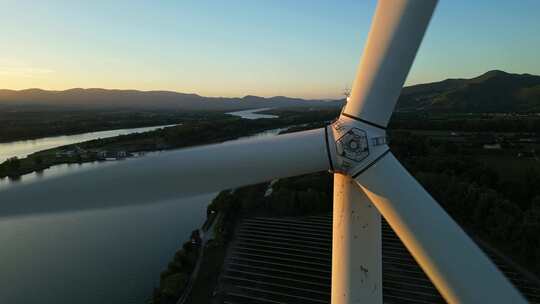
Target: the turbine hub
(354, 145)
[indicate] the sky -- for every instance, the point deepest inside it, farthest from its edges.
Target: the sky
(300, 48)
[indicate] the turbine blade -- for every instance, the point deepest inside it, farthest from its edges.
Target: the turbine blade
(170, 175)
(396, 32)
(457, 267)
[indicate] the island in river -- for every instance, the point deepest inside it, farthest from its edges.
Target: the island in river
(205, 130)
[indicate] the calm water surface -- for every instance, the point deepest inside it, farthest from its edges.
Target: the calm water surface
(98, 256)
(104, 256)
(23, 148)
(252, 114)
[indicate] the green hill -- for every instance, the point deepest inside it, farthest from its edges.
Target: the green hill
(494, 91)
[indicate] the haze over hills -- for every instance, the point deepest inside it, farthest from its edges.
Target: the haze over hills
(104, 98)
(494, 91)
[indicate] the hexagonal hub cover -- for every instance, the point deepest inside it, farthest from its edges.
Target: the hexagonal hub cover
(353, 145)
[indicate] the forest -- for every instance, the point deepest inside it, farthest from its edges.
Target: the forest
(502, 209)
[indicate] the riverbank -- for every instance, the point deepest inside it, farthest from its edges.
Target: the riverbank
(191, 133)
(253, 114)
(25, 124)
(23, 148)
(181, 283)
(176, 282)
(290, 197)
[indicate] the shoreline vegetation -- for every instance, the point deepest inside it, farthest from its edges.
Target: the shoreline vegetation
(30, 124)
(176, 281)
(295, 196)
(212, 129)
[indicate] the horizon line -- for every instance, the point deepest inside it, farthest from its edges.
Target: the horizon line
(235, 96)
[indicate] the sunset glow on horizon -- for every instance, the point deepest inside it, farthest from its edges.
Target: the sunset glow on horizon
(307, 49)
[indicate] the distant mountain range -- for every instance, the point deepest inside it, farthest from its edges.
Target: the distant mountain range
(133, 99)
(494, 91)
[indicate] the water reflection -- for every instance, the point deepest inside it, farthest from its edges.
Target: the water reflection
(252, 114)
(98, 256)
(25, 147)
(63, 169)
(53, 171)
(95, 256)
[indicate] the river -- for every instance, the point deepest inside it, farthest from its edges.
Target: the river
(253, 114)
(98, 256)
(22, 148)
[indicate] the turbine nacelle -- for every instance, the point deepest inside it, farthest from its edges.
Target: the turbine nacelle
(354, 145)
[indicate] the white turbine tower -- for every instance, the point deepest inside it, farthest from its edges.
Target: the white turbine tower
(369, 181)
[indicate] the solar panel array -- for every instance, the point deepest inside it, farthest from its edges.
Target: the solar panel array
(288, 260)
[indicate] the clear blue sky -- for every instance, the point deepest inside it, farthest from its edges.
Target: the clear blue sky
(234, 48)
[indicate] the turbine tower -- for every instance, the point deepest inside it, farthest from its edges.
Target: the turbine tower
(368, 180)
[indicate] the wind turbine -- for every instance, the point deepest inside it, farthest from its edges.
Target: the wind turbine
(369, 180)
